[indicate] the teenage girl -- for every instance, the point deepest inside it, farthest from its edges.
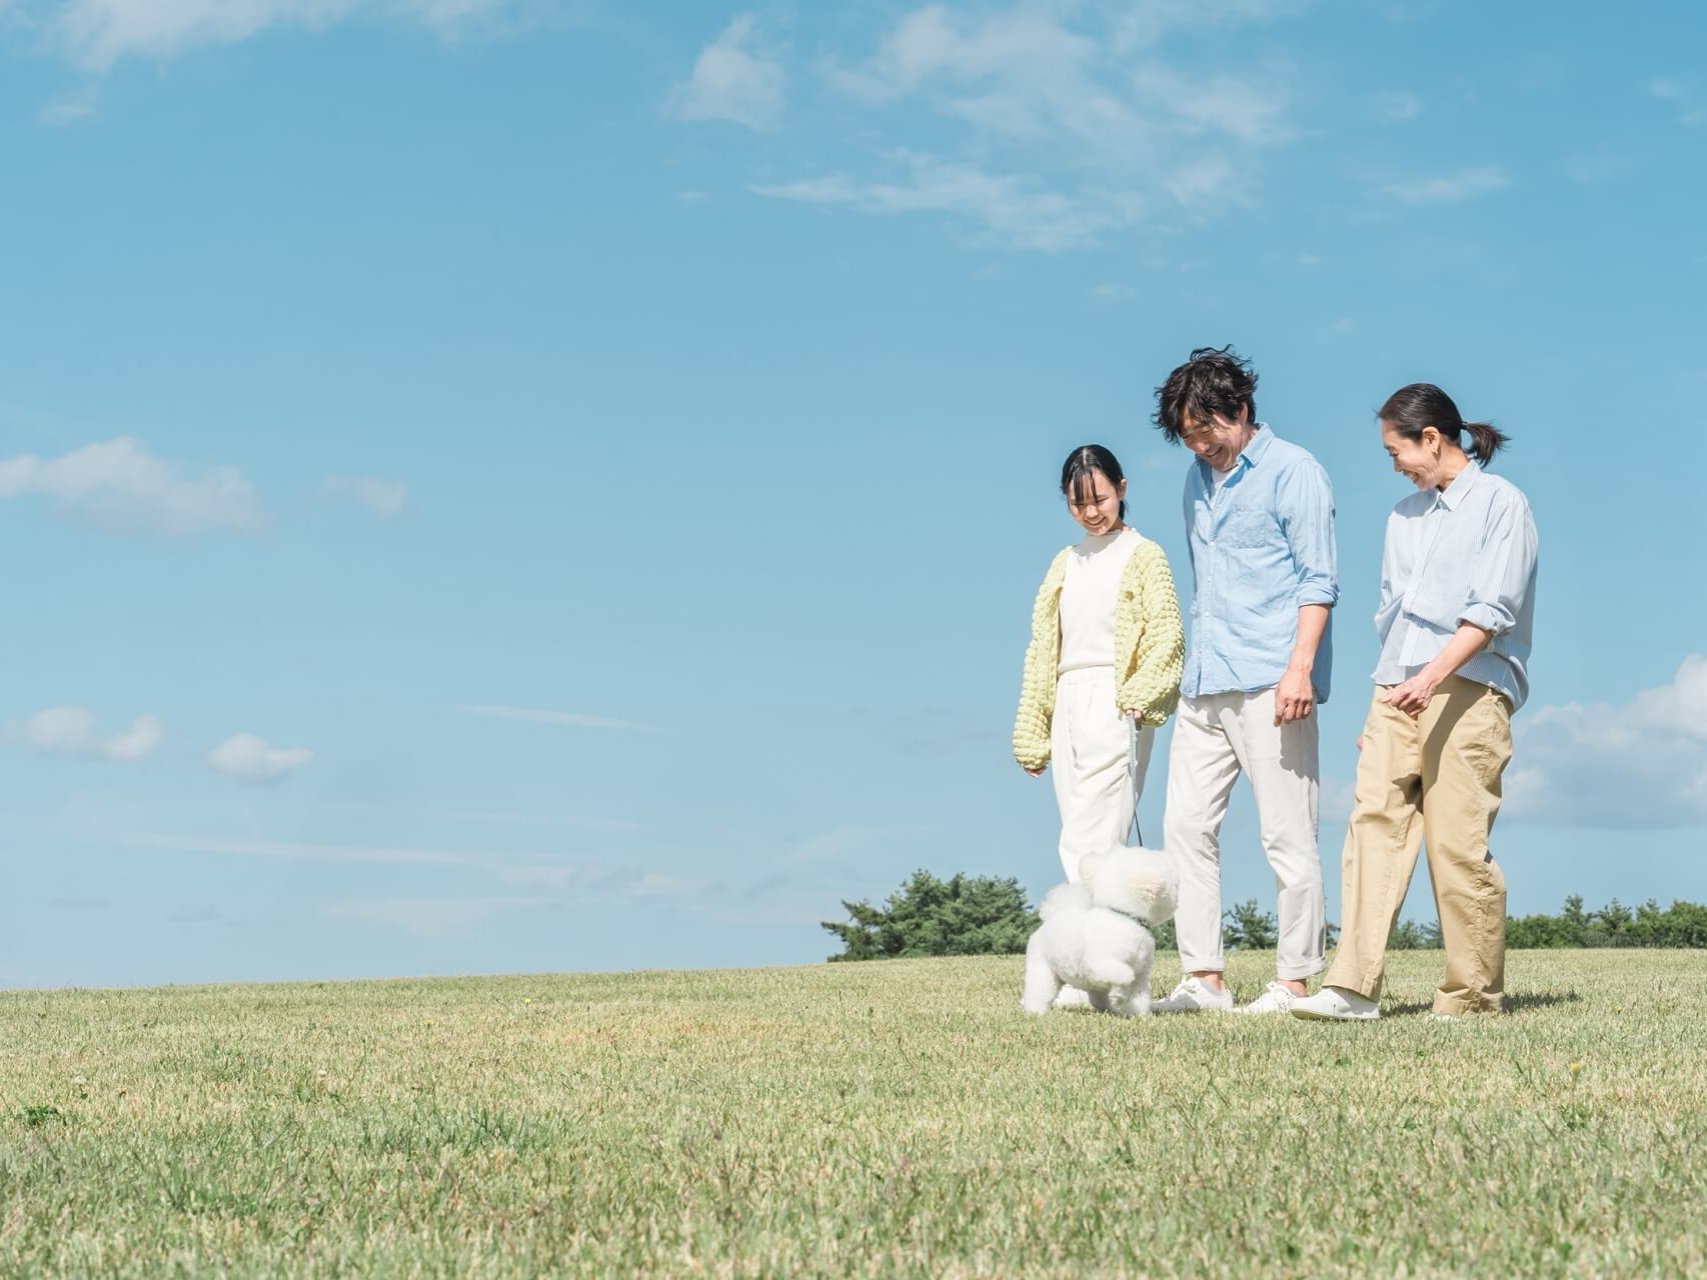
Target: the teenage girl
(1107, 649)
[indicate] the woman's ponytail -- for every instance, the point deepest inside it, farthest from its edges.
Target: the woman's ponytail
(1485, 441)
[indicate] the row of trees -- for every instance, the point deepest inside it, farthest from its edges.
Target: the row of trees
(1683, 924)
(984, 915)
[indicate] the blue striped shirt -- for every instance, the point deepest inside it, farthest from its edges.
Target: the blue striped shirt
(1262, 546)
(1463, 555)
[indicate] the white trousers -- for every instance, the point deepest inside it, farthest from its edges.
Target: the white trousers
(1089, 747)
(1215, 738)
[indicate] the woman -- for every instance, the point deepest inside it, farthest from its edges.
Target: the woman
(1456, 620)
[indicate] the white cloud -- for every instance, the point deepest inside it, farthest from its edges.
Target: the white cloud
(1111, 292)
(71, 731)
(532, 715)
(1682, 94)
(1337, 798)
(1008, 211)
(1147, 22)
(733, 79)
(69, 108)
(1027, 73)
(387, 499)
(543, 870)
(531, 871)
(248, 758)
(580, 874)
(844, 842)
(95, 34)
(1592, 168)
(121, 485)
(1027, 56)
(510, 819)
(1203, 183)
(1639, 764)
(1049, 135)
(430, 917)
(1235, 106)
(1393, 108)
(1466, 184)
(653, 884)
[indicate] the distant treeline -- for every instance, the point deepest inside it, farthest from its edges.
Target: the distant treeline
(1683, 924)
(984, 915)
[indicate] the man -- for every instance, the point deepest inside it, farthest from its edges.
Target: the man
(1259, 517)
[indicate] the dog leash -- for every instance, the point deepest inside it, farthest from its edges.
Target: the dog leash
(1132, 774)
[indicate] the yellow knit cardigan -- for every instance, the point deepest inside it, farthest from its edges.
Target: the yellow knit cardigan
(1149, 650)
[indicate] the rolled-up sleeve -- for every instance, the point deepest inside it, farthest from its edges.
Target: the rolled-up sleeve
(1307, 516)
(1501, 576)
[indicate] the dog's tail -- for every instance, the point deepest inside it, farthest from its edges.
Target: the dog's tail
(1065, 897)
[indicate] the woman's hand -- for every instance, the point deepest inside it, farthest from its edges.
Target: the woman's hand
(1413, 696)
(1035, 773)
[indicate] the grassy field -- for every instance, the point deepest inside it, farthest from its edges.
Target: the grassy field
(882, 1119)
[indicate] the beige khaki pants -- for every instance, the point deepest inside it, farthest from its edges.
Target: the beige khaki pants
(1090, 745)
(1216, 737)
(1433, 779)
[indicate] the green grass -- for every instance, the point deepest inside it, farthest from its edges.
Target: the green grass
(883, 1119)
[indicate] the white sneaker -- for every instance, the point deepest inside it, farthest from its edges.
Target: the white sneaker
(1277, 998)
(1336, 1004)
(1194, 995)
(1073, 998)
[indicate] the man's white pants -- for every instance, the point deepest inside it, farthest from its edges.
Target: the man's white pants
(1215, 738)
(1089, 747)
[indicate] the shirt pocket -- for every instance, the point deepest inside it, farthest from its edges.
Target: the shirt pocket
(1246, 527)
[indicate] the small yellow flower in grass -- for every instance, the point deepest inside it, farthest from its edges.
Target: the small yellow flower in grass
(1576, 1068)
(527, 1000)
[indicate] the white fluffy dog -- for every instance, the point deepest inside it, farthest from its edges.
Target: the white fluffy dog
(1095, 935)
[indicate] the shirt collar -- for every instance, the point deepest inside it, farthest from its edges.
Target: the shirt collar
(1452, 497)
(1253, 453)
(1249, 456)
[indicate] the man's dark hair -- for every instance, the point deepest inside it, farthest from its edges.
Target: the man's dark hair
(1216, 380)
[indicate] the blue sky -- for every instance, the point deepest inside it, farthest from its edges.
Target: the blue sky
(504, 485)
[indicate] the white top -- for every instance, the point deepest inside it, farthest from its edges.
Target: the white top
(1219, 478)
(1089, 593)
(1465, 554)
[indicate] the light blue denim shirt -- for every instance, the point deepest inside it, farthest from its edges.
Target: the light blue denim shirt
(1463, 555)
(1261, 547)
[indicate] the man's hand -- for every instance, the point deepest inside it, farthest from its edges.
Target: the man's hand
(1294, 696)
